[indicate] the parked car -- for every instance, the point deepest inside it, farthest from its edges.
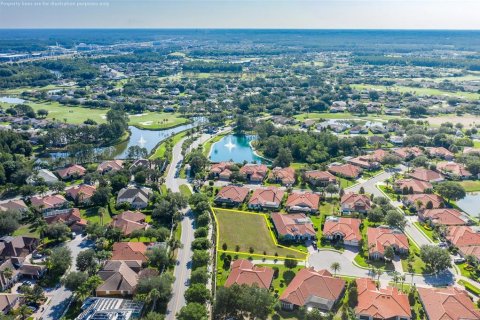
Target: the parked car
(458, 260)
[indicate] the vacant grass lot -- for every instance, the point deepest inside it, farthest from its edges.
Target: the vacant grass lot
(247, 230)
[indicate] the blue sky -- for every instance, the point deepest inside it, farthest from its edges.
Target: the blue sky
(316, 14)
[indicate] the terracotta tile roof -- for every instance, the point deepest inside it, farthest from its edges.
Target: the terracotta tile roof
(304, 199)
(13, 205)
(380, 238)
(48, 202)
(129, 251)
(124, 223)
(349, 228)
(244, 272)
(448, 304)
(388, 303)
(68, 217)
(135, 216)
(426, 175)
(310, 286)
(424, 198)
(417, 186)
(408, 152)
(378, 155)
(257, 172)
(81, 193)
(320, 176)
(440, 152)
(445, 216)
(110, 165)
(463, 236)
(222, 169)
(454, 168)
(345, 170)
(293, 224)
(266, 196)
(471, 251)
(365, 162)
(8, 300)
(73, 170)
(285, 175)
(232, 193)
(354, 199)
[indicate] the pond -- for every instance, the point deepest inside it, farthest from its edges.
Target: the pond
(470, 204)
(235, 147)
(147, 139)
(11, 100)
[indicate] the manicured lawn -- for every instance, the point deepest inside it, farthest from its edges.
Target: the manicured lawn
(207, 146)
(470, 287)
(345, 183)
(363, 261)
(428, 232)
(285, 276)
(162, 147)
(157, 120)
(92, 215)
(185, 190)
(248, 230)
(418, 91)
(418, 265)
(471, 185)
(26, 230)
(388, 191)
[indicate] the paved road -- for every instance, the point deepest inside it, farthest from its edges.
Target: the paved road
(370, 185)
(183, 268)
(59, 297)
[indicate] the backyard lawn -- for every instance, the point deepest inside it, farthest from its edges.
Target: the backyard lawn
(471, 185)
(248, 231)
(27, 230)
(92, 215)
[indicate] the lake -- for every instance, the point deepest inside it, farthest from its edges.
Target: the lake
(11, 100)
(235, 147)
(470, 204)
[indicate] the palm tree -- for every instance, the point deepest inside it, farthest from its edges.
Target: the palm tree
(396, 277)
(153, 297)
(379, 273)
(335, 266)
(402, 280)
(23, 311)
(7, 273)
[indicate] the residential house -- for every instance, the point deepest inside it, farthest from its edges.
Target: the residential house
(8, 301)
(313, 289)
(71, 217)
(376, 140)
(348, 171)
(320, 178)
(412, 186)
(428, 175)
(129, 221)
(110, 308)
(365, 162)
(423, 201)
(447, 303)
(343, 229)
(244, 272)
(354, 202)
(33, 271)
(17, 247)
(377, 303)
(441, 152)
(454, 170)
(48, 203)
(285, 176)
(398, 140)
(302, 202)
(129, 251)
(380, 238)
(470, 251)
(8, 282)
(81, 194)
(293, 226)
(254, 173)
(110, 166)
(73, 171)
(137, 197)
(43, 175)
(463, 236)
(443, 217)
(221, 170)
(118, 279)
(232, 195)
(378, 155)
(140, 163)
(408, 153)
(15, 205)
(266, 198)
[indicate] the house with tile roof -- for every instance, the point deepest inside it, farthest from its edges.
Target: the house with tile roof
(81, 194)
(285, 176)
(408, 153)
(129, 221)
(17, 247)
(269, 198)
(427, 175)
(110, 166)
(293, 226)
(244, 272)
(8, 282)
(378, 155)
(348, 171)
(423, 201)
(71, 217)
(354, 202)
(9, 301)
(447, 303)
(412, 186)
(118, 279)
(377, 303)
(313, 289)
(365, 162)
(380, 238)
(129, 251)
(254, 173)
(443, 216)
(343, 229)
(302, 202)
(221, 170)
(48, 203)
(473, 251)
(42, 175)
(454, 170)
(320, 178)
(137, 197)
(73, 171)
(463, 236)
(15, 205)
(231, 195)
(441, 152)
